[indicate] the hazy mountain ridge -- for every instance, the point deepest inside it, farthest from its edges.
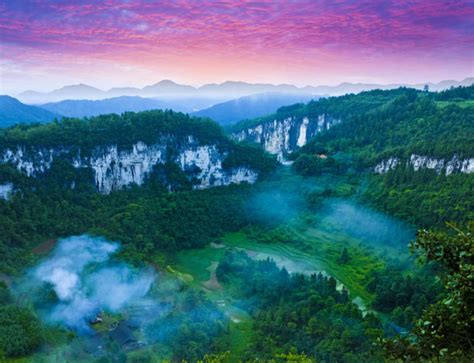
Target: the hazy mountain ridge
(224, 113)
(228, 89)
(13, 111)
(87, 108)
(249, 107)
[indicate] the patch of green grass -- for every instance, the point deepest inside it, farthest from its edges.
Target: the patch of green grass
(196, 262)
(464, 103)
(151, 354)
(321, 250)
(187, 278)
(240, 337)
(108, 322)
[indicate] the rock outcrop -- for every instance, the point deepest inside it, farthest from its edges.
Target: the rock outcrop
(115, 168)
(281, 137)
(418, 162)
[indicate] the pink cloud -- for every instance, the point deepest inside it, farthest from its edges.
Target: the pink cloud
(306, 35)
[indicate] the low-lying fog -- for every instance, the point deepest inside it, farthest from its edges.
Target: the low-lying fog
(372, 227)
(86, 280)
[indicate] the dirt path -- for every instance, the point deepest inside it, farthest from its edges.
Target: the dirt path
(212, 283)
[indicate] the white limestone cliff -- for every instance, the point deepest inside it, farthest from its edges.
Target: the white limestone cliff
(281, 137)
(114, 168)
(418, 162)
(207, 161)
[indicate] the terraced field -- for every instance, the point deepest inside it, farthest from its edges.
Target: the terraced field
(311, 250)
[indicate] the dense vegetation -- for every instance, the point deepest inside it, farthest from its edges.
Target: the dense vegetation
(404, 297)
(121, 130)
(340, 107)
(295, 313)
(406, 122)
(170, 128)
(291, 313)
(194, 328)
(410, 122)
(423, 197)
(20, 330)
(143, 219)
(446, 328)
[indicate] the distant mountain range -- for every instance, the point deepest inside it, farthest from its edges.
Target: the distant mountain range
(168, 90)
(251, 107)
(13, 112)
(118, 105)
(220, 102)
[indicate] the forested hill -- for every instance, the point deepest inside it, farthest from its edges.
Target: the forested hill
(438, 125)
(126, 149)
(422, 144)
(122, 130)
(371, 126)
(339, 107)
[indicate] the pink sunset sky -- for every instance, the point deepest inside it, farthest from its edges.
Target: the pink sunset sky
(48, 44)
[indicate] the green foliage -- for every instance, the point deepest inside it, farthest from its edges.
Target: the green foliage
(169, 128)
(403, 296)
(250, 156)
(192, 328)
(20, 332)
(446, 328)
(423, 197)
(344, 257)
(379, 124)
(144, 219)
(295, 313)
(292, 313)
(458, 93)
(121, 130)
(279, 358)
(314, 165)
(409, 124)
(338, 107)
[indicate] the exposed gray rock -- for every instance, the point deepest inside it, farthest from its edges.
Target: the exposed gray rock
(114, 168)
(418, 162)
(281, 137)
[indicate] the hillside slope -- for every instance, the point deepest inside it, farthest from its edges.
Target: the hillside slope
(13, 112)
(250, 107)
(371, 125)
(88, 108)
(122, 150)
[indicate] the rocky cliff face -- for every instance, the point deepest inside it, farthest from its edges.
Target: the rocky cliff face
(453, 165)
(281, 137)
(114, 168)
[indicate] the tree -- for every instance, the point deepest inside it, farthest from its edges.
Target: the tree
(445, 330)
(344, 257)
(19, 331)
